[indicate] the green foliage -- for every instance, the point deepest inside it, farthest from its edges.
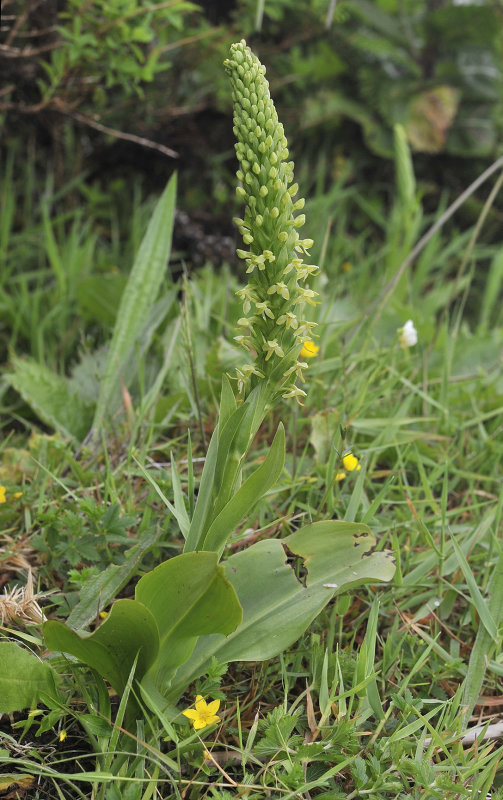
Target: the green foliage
(25, 679)
(71, 405)
(51, 398)
(137, 300)
(182, 599)
(434, 69)
(277, 605)
(374, 700)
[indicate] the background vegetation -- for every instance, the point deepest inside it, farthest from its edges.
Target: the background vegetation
(100, 103)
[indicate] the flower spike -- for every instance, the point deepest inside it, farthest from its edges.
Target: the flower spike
(276, 292)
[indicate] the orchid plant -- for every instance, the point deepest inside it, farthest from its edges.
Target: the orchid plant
(250, 606)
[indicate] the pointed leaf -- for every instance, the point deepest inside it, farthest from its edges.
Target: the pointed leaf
(204, 496)
(227, 401)
(139, 296)
(99, 590)
(250, 492)
(51, 397)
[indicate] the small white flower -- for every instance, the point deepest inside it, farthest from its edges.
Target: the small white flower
(408, 334)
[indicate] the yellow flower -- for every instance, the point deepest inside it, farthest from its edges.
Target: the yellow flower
(340, 476)
(350, 462)
(2, 494)
(17, 495)
(309, 349)
(203, 714)
(62, 736)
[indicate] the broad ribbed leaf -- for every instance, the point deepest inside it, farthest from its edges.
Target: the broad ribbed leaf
(99, 590)
(277, 607)
(51, 397)
(23, 678)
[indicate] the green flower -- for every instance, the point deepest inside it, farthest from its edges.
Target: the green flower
(276, 293)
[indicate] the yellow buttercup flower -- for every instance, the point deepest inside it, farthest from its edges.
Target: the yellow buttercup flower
(203, 714)
(350, 462)
(62, 736)
(309, 349)
(340, 476)
(2, 494)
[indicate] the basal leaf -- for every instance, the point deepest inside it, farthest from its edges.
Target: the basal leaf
(51, 397)
(99, 590)
(188, 596)
(277, 607)
(128, 631)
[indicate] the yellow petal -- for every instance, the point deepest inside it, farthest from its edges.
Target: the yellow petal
(213, 707)
(200, 704)
(191, 713)
(199, 723)
(350, 462)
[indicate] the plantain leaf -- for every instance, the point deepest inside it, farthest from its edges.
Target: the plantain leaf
(99, 590)
(23, 678)
(51, 397)
(138, 298)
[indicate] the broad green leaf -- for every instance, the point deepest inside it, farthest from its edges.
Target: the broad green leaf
(99, 590)
(50, 396)
(23, 678)
(247, 496)
(188, 596)
(129, 630)
(277, 607)
(138, 298)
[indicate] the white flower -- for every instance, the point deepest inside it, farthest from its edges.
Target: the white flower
(408, 334)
